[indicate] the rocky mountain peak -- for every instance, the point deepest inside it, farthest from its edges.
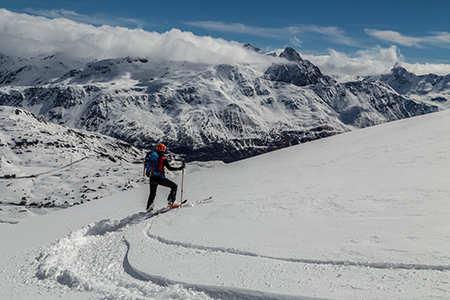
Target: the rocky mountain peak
(251, 47)
(299, 72)
(398, 70)
(291, 55)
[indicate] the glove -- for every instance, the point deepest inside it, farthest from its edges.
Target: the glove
(147, 174)
(183, 165)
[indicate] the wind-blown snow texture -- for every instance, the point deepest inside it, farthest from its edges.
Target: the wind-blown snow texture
(206, 112)
(362, 215)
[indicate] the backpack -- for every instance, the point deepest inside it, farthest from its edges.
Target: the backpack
(154, 165)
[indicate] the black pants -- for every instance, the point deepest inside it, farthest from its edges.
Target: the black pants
(154, 182)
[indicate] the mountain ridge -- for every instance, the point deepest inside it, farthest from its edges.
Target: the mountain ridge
(204, 112)
(431, 88)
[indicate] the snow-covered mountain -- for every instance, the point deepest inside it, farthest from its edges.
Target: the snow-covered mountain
(44, 166)
(206, 112)
(431, 88)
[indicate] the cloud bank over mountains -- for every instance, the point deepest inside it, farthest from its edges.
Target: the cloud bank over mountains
(364, 62)
(25, 35)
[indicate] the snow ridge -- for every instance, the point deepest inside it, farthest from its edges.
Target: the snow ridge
(105, 226)
(385, 265)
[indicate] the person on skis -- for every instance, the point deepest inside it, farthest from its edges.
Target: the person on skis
(154, 168)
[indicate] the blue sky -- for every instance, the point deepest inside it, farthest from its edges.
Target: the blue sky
(419, 30)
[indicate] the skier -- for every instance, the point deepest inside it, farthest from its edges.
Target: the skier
(155, 171)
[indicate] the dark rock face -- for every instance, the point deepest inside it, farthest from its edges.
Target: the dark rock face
(298, 72)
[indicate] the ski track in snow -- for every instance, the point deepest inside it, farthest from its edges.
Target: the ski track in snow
(96, 259)
(305, 261)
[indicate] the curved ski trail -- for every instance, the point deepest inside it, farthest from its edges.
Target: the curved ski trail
(123, 259)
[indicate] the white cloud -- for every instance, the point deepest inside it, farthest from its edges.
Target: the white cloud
(238, 28)
(370, 62)
(423, 69)
(295, 42)
(365, 62)
(333, 34)
(88, 19)
(26, 35)
(439, 39)
(395, 37)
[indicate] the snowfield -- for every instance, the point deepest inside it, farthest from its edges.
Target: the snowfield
(361, 215)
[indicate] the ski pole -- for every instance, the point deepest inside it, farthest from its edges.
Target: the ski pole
(182, 182)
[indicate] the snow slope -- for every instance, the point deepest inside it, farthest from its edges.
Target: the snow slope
(362, 215)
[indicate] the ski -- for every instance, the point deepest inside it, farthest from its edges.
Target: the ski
(178, 205)
(205, 200)
(165, 209)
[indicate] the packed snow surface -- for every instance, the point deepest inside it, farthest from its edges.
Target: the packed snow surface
(362, 215)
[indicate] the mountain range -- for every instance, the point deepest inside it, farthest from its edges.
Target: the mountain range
(431, 88)
(212, 112)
